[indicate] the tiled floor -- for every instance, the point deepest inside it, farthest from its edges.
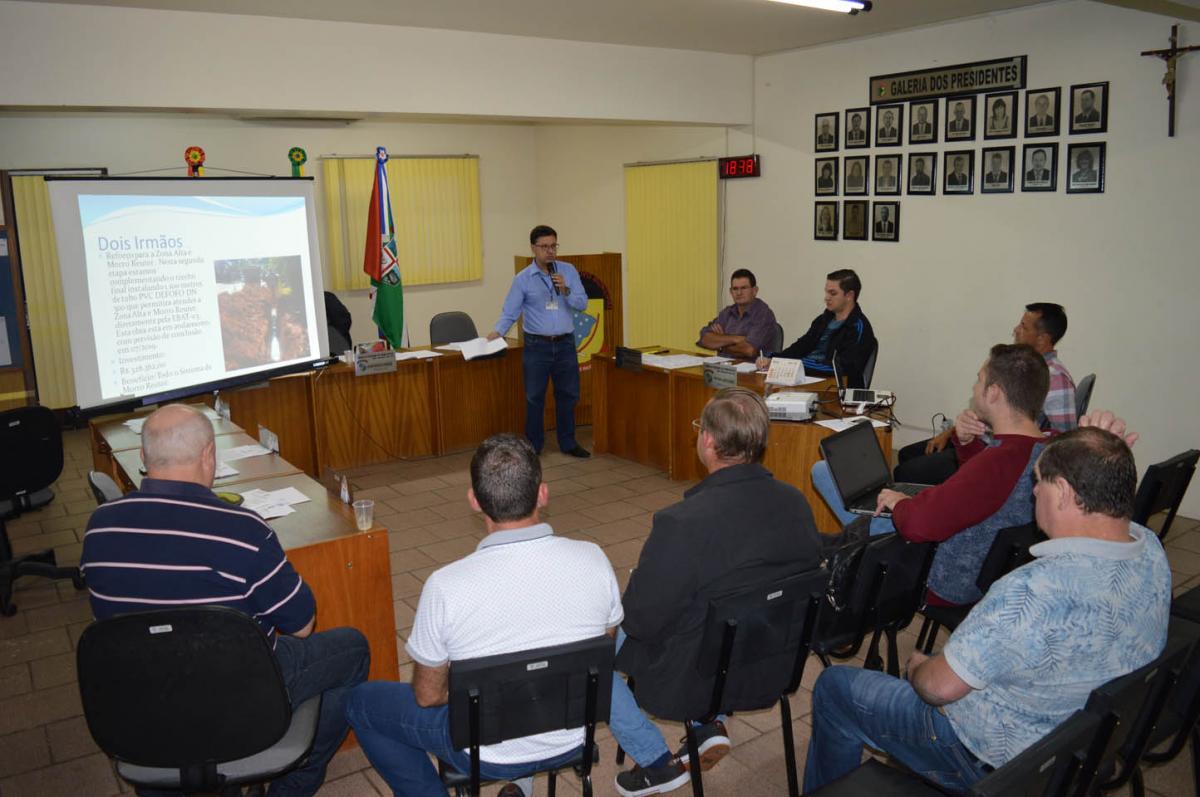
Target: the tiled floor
(45, 748)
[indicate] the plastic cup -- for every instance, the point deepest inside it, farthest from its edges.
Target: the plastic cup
(364, 514)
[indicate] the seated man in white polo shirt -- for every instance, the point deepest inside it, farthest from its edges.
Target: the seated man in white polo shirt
(522, 588)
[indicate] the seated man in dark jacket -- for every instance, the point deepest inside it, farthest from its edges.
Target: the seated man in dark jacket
(736, 528)
(842, 331)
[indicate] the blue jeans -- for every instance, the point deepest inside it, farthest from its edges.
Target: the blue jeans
(327, 663)
(823, 481)
(545, 360)
(854, 707)
(397, 735)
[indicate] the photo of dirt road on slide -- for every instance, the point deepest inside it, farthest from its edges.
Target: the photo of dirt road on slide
(261, 302)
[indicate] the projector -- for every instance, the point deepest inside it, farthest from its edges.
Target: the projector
(791, 406)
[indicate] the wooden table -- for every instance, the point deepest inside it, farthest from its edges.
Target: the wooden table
(110, 434)
(332, 419)
(647, 415)
(266, 466)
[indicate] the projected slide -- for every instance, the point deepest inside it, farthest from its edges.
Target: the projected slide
(191, 290)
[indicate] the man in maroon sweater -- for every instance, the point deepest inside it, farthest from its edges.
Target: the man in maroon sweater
(997, 440)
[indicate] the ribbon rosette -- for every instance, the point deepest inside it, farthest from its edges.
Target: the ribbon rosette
(298, 157)
(194, 158)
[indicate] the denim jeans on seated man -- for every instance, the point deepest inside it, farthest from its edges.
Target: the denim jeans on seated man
(915, 733)
(397, 735)
(823, 481)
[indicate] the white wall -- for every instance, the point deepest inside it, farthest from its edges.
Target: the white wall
(135, 142)
(92, 56)
(1124, 263)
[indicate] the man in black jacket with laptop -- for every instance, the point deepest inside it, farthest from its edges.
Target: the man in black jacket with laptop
(842, 331)
(735, 529)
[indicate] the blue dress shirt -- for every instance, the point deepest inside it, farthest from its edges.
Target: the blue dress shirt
(531, 290)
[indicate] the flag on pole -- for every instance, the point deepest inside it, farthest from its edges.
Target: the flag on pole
(379, 259)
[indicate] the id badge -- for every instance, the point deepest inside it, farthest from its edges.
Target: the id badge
(552, 304)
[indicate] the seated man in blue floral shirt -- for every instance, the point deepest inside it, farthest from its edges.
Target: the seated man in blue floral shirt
(1092, 606)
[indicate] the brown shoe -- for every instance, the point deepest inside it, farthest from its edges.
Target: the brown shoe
(712, 743)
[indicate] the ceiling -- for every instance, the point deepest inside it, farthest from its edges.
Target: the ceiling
(750, 27)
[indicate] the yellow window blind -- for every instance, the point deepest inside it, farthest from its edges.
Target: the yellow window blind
(671, 243)
(43, 293)
(435, 207)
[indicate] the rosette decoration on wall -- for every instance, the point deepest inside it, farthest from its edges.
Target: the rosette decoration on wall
(298, 158)
(194, 158)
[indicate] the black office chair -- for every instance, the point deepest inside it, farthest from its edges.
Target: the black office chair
(776, 340)
(1050, 767)
(1179, 722)
(1083, 394)
(190, 700)
(1010, 550)
(1162, 489)
(496, 698)
(103, 487)
(1128, 708)
(869, 366)
(882, 589)
(32, 441)
(451, 327)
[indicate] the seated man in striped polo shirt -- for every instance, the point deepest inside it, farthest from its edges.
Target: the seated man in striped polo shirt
(173, 542)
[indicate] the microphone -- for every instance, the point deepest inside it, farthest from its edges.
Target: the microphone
(553, 269)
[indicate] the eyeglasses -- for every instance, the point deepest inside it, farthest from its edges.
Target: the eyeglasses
(697, 425)
(547, 247)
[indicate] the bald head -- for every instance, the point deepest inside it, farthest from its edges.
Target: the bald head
(177, 444)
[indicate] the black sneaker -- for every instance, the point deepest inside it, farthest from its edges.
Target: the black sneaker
(579, 452)
(712, 743)
(652, 780)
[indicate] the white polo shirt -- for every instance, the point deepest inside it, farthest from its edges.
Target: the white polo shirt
(521, 589)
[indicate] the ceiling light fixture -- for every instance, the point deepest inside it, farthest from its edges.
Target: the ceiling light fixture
(844, 6)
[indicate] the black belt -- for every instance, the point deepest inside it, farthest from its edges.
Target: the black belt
(550, 337)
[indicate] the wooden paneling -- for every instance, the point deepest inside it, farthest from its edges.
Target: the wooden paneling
(13, 392)
(637, 413)
(365, 419)
(479, 398)
(283, 405)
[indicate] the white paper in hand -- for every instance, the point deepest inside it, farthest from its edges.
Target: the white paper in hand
(480, 347)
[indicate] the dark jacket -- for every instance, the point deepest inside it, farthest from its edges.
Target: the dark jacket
(852, 343)
(737, 528)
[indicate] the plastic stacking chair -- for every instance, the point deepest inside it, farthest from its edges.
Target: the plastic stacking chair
(1083, 394)
(1162, 489)
(103, 487)
(497, 698)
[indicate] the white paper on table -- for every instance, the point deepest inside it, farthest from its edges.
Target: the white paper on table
(671, 361)
(210, 413)
(242, 452)
(716, 360)
(747, 368)
(809, 379)
(135, 424)
(842, 424)
(481, 347)
(265, 503)
(421, 354)
(289, 496)
(5, 354)
(450, 347)
(224, 471)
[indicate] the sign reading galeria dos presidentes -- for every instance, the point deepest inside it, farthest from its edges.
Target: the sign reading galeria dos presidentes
(946, 81)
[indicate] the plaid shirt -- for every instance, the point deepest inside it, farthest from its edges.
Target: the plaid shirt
(1058, 413)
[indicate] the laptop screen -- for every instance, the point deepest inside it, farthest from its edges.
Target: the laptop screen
(856, 461)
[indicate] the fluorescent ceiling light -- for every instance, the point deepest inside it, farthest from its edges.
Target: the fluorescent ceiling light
(845, 6)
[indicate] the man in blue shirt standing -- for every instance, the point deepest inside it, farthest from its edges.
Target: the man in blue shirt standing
(545, 293)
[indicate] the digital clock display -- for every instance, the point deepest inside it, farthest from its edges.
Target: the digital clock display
(741, 166)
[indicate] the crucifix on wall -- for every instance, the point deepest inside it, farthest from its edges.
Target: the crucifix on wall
(1171, 57)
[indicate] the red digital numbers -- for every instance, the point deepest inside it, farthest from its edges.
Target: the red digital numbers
(743, 166)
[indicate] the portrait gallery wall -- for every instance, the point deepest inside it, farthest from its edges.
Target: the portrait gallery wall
(886, 144)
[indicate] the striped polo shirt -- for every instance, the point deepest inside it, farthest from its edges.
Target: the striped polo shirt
(174, 543)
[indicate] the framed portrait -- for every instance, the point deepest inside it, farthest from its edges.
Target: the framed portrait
(1041, 112)
(923, 122)
(960, 118)
(922, 173)
(857, 175)
(858, 128)
(996, 170)
(1089, 108)
(885, 221)
(825, 132)
(887, 175)
(1039, 167)
(889, 131)
(825, 221)
(1085, 168)
(958, 172)
(1000, 115)
(854, 219)
(826, 174)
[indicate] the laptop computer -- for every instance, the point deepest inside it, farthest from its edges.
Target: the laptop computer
(859, 469)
